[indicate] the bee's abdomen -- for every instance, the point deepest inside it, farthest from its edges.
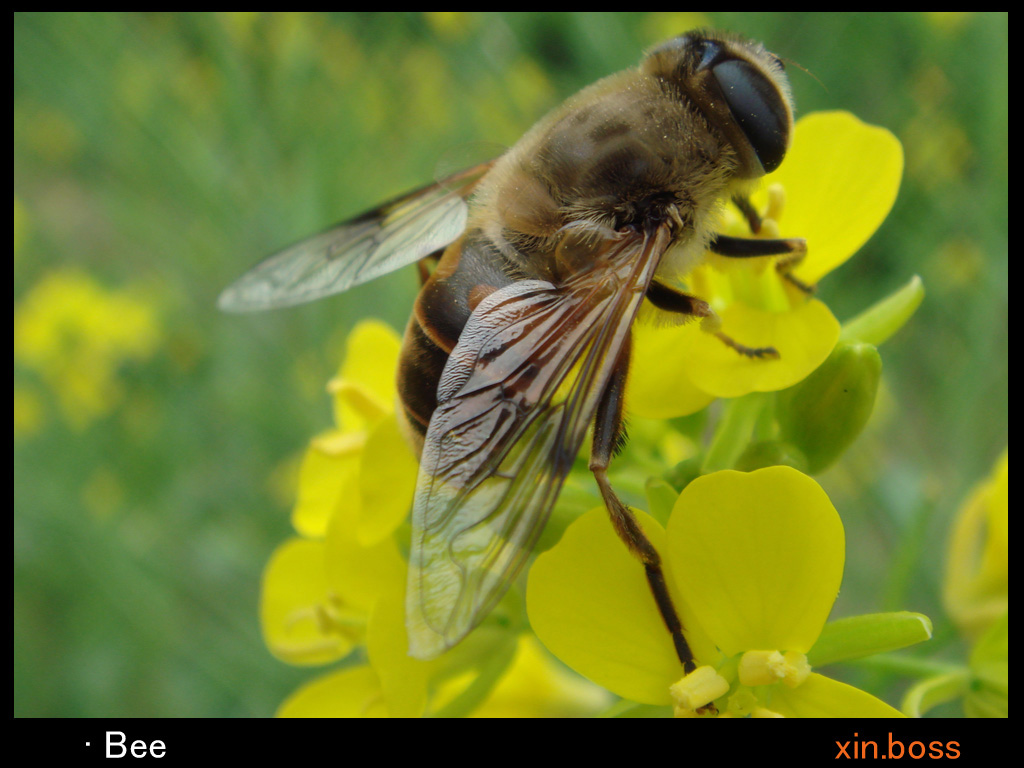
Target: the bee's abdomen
(470, 269)
(419, 370)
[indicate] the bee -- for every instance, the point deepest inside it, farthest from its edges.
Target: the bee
(519, 339)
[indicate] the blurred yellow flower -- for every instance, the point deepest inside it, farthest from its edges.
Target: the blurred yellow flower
(75, 335)
(451, 25)
(976, 592)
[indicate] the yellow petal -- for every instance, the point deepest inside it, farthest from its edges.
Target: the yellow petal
(328, 475)
(660, 386)
(403, 679)
(841, 180)
(759, 557)
(589, 602)
(299, 613)
(352, 692)
(387, 482)
(361, 573)
(535, 685)
(371, 358)
(803, 337)
(820, 696)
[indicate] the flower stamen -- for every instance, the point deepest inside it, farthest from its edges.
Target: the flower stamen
(769, 667)
(697, 690)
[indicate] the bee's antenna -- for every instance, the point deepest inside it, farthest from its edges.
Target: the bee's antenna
(804, 70)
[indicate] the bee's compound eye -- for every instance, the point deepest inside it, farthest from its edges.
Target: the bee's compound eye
(758, 108)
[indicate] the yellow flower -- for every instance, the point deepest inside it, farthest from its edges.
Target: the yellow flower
(976, 592)
(317, 595)
(355, 487)
(754, 563)
(363, 463)
(532, 685)
(834, 189)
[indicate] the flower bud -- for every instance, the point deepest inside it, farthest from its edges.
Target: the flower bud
(825, 412)
(770, 453)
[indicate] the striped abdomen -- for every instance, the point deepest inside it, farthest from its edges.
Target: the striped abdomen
(470, 269)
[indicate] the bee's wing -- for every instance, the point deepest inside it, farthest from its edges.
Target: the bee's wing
(514, 403)
(397, 233)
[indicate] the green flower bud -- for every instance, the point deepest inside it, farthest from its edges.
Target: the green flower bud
(683, 473)
(770, 453)
(880, 321)
(825, 412)
(858, 636)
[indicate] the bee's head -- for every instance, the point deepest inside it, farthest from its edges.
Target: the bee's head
(740, 88)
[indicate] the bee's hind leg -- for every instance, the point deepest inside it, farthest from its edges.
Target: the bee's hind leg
(608, 438)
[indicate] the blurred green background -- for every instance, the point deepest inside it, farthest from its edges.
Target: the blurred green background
(158, 156)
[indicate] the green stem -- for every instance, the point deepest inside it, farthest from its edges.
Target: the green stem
(477, 691)
(934, 691)
(733, 432)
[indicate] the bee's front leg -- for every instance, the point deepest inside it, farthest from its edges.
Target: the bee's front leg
(792, 250)
(608, 437)
(671, 300)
